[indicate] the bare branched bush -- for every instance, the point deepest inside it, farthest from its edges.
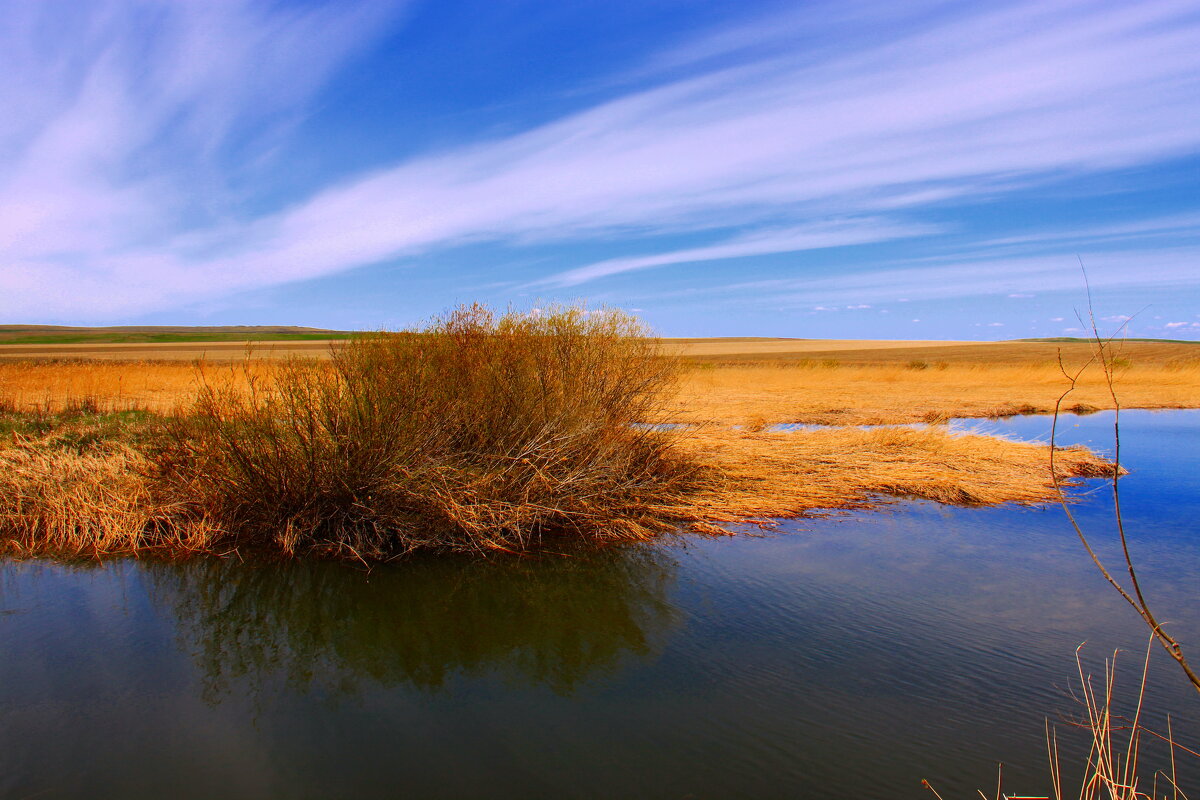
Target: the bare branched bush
(478, 432)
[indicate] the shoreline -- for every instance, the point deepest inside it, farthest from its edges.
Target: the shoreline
(76, 491)
(80, 455)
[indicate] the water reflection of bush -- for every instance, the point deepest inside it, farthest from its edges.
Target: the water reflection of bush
(554, 622)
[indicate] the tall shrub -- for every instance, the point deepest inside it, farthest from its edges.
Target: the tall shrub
(479, 431)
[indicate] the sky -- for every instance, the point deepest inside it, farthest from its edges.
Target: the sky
(917, 170)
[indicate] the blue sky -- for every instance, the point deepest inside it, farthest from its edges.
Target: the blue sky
(826, 169)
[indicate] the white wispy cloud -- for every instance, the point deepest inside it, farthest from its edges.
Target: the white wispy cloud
(1172, 225)
(948, 277)
(817, 236)
(127, 121)
(116, 200)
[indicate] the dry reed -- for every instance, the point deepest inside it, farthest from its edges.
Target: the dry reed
(783, 474)
(159, 386)
(486, 433)
(727, 394)
(479, 432)
(90, 503)
(750, 477)
(1114, 767)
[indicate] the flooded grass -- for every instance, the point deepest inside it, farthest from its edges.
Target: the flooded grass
(87, 486)
(498, 433)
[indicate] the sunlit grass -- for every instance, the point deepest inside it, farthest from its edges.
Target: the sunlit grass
(492, 432)
(479, 432)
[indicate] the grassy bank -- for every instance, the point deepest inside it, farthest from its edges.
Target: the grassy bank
(78, 484)
(477, 433)
(484, 433)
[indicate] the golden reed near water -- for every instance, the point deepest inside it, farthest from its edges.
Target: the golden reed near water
(517, 431)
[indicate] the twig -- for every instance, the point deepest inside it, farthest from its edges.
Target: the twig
(1137, 599)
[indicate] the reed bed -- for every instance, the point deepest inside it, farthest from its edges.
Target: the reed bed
(164, 387)
(479, 432)
(104, 498)
(487, 432)
(89, 504)
(768, 475)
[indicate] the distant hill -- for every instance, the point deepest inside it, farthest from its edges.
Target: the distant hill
(159, 334)
(1078, 340)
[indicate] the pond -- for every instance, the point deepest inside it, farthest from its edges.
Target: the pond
(848, 656)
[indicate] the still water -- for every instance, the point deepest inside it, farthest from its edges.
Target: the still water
(849, 656)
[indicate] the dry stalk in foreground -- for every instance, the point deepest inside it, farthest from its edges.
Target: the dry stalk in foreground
(1113, 768)
(1102, 355)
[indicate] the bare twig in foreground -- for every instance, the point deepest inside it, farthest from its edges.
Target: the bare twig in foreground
(1102, 356)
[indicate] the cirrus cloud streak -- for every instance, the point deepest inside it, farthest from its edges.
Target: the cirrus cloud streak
(127, 191)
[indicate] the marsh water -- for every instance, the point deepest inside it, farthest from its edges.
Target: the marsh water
(849, 656)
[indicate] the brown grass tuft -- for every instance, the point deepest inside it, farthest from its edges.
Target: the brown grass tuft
(779, 474)
(490, 432)
(85, 504)
(480, 432)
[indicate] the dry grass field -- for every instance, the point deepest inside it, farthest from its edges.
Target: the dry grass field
(224, 344)
(745, 382)
(762, 395)
(854, 352)
(160, 386)
(729, 392)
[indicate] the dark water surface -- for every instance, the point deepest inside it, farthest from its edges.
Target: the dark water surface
(844, 657)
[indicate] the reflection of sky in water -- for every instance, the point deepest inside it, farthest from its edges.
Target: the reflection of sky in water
(849, 656)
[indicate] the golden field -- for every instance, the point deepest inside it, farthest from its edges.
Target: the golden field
(753, 382)
(763, 394)
(95, 500)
